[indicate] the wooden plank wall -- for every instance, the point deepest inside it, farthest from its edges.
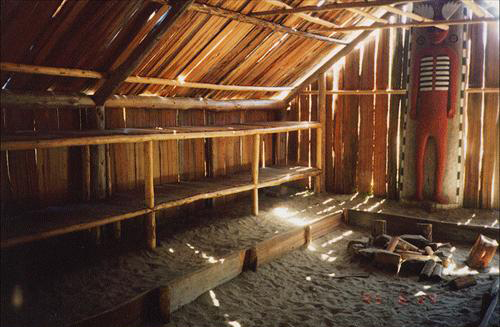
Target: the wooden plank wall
(49, 177)
(362, 130)
(482, 189)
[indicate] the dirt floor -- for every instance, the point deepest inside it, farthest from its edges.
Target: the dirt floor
(293, 291)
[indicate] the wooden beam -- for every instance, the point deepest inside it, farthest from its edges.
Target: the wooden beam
(221, 12)
(395, 91)
(409, 25)
(77, 100)
(116, 78)
(150, 222)
(413, 16)
(307, 17)
(332, 6)
(368, 15)
(82, 73)
(476, 9)
(255, 174)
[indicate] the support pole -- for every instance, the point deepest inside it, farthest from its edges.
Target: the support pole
(319, 185)
(97, 165)
(149, 195)
(255, 174)
(86, 173)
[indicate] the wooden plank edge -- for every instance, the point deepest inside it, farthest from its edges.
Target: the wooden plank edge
(10, 242)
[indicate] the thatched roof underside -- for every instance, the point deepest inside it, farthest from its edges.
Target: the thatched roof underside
(99, 35)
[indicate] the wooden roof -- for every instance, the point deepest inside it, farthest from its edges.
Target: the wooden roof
(99, 35)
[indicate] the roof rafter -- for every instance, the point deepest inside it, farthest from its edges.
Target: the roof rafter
(221, 12)
(413, 16)
(307, 17)
(116, 78)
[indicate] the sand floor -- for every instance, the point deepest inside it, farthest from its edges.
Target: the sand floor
(66, 288)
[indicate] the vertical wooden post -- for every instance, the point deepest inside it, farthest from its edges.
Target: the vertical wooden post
(255, 174)
(86, 172)
(379, 227)
(117, 226)
(97, 165)
(319, 185)
(149, 195)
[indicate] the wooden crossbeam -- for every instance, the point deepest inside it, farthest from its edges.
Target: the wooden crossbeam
(221, 12)
(116, 78)
(307, 17)
(49, 100)
(476, 9)
(409, 25)
(333, 6)
(368, 15)
(74, 72)
(413, 16)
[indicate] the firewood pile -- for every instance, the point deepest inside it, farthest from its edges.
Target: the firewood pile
(415, 254)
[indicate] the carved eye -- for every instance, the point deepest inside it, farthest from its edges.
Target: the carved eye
(449, 9)
(424, 10)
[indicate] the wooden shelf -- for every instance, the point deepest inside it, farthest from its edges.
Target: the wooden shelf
(53, 221)
(31, 140)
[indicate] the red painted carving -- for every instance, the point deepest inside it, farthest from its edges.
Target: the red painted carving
(433, 101)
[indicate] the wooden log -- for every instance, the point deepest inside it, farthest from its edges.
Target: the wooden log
(425, 230)
(428, 250)
(150, 222)
(255, 174)
(417, 240)
(74, 72)
(325, 225)
(482, 252)
(412, 255)
(308, 235)
(10, 99)
(234, 15)
(426, 272)
(379, 227)
(392, 244)
(404, 245)
(387, 260)
(463, 282)
(331, 6)
(437, 272)
(381, 241)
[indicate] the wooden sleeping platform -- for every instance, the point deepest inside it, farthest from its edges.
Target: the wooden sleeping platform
(18, 228)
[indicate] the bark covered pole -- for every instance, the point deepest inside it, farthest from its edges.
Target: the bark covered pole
(150, 223)
(255, 174)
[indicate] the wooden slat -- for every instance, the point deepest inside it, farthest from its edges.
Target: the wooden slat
(329, 130)
(321, 135)
(293, 137)
(350, 123)
(381, 110)
(473, 114)
(491, 113)
(366, 115)
(394, 115)
(339, 109)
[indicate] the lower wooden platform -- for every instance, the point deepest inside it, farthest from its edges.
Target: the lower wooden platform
(156, 305)
(49, 222)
